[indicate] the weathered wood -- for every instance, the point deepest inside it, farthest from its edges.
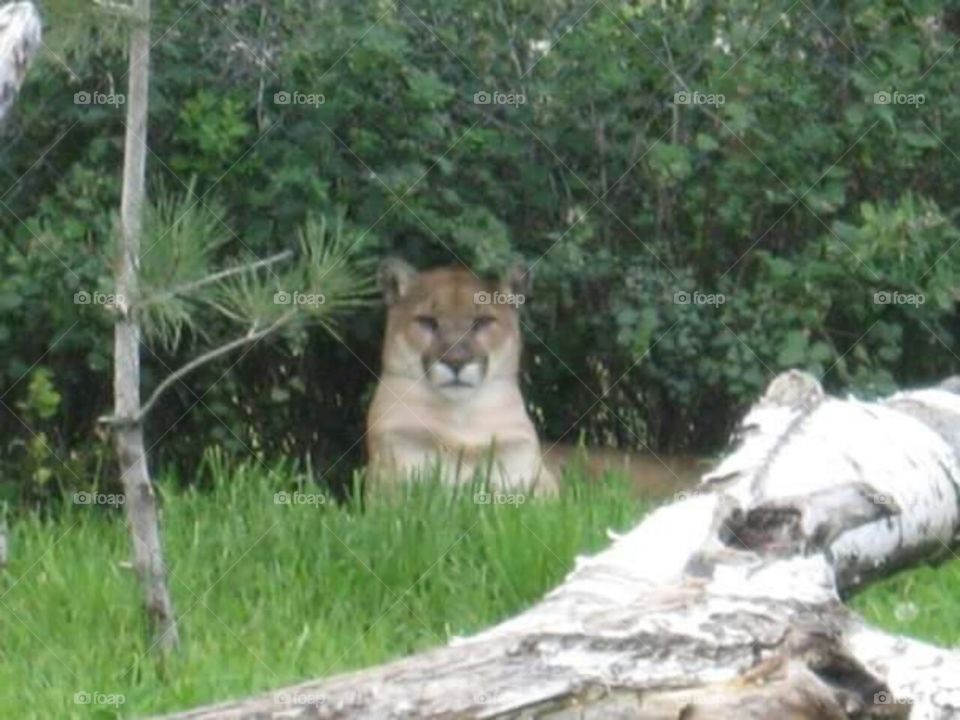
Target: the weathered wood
(20, 38)
(726, 604)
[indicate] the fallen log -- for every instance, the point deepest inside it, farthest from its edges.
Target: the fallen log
(726, 604)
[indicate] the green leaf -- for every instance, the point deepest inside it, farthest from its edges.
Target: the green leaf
(182, 235)
(794, 349)
(43, 399)
(920, 139)
(706, 142)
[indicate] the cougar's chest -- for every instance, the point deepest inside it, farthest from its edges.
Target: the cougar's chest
(496, 415)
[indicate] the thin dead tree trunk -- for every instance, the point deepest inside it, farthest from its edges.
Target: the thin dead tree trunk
(726, 604)
(141, 503)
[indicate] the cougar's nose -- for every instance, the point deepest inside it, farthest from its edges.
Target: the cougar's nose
(455, 358)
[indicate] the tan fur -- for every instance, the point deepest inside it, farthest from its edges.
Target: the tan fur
(448, 395)
(652, 475)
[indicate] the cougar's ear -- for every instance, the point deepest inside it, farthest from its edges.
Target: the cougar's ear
(395, 278)
(518, 280)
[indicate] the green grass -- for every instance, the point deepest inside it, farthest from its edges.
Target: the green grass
(270, 594)
(923, 602)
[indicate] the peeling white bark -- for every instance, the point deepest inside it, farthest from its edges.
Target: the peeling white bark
(20, 32)
(925, 677)
(726, 604)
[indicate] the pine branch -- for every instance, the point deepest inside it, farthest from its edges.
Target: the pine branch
(251, 336)
(216, 277)
(208, 356)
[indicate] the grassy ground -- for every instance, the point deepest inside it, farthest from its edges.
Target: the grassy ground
(270, 593)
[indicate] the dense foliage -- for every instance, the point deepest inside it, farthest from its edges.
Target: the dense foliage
(708, 193)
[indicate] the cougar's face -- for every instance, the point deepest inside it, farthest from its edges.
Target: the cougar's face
(449, 327)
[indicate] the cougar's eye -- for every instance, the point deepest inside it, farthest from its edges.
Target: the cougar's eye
(483, 321)
(427, 323)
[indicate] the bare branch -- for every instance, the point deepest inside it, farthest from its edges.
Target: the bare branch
(251, 336)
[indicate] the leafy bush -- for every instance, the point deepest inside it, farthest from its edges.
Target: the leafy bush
(794, 161)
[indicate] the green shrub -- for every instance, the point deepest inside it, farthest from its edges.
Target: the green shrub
(798, 198)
